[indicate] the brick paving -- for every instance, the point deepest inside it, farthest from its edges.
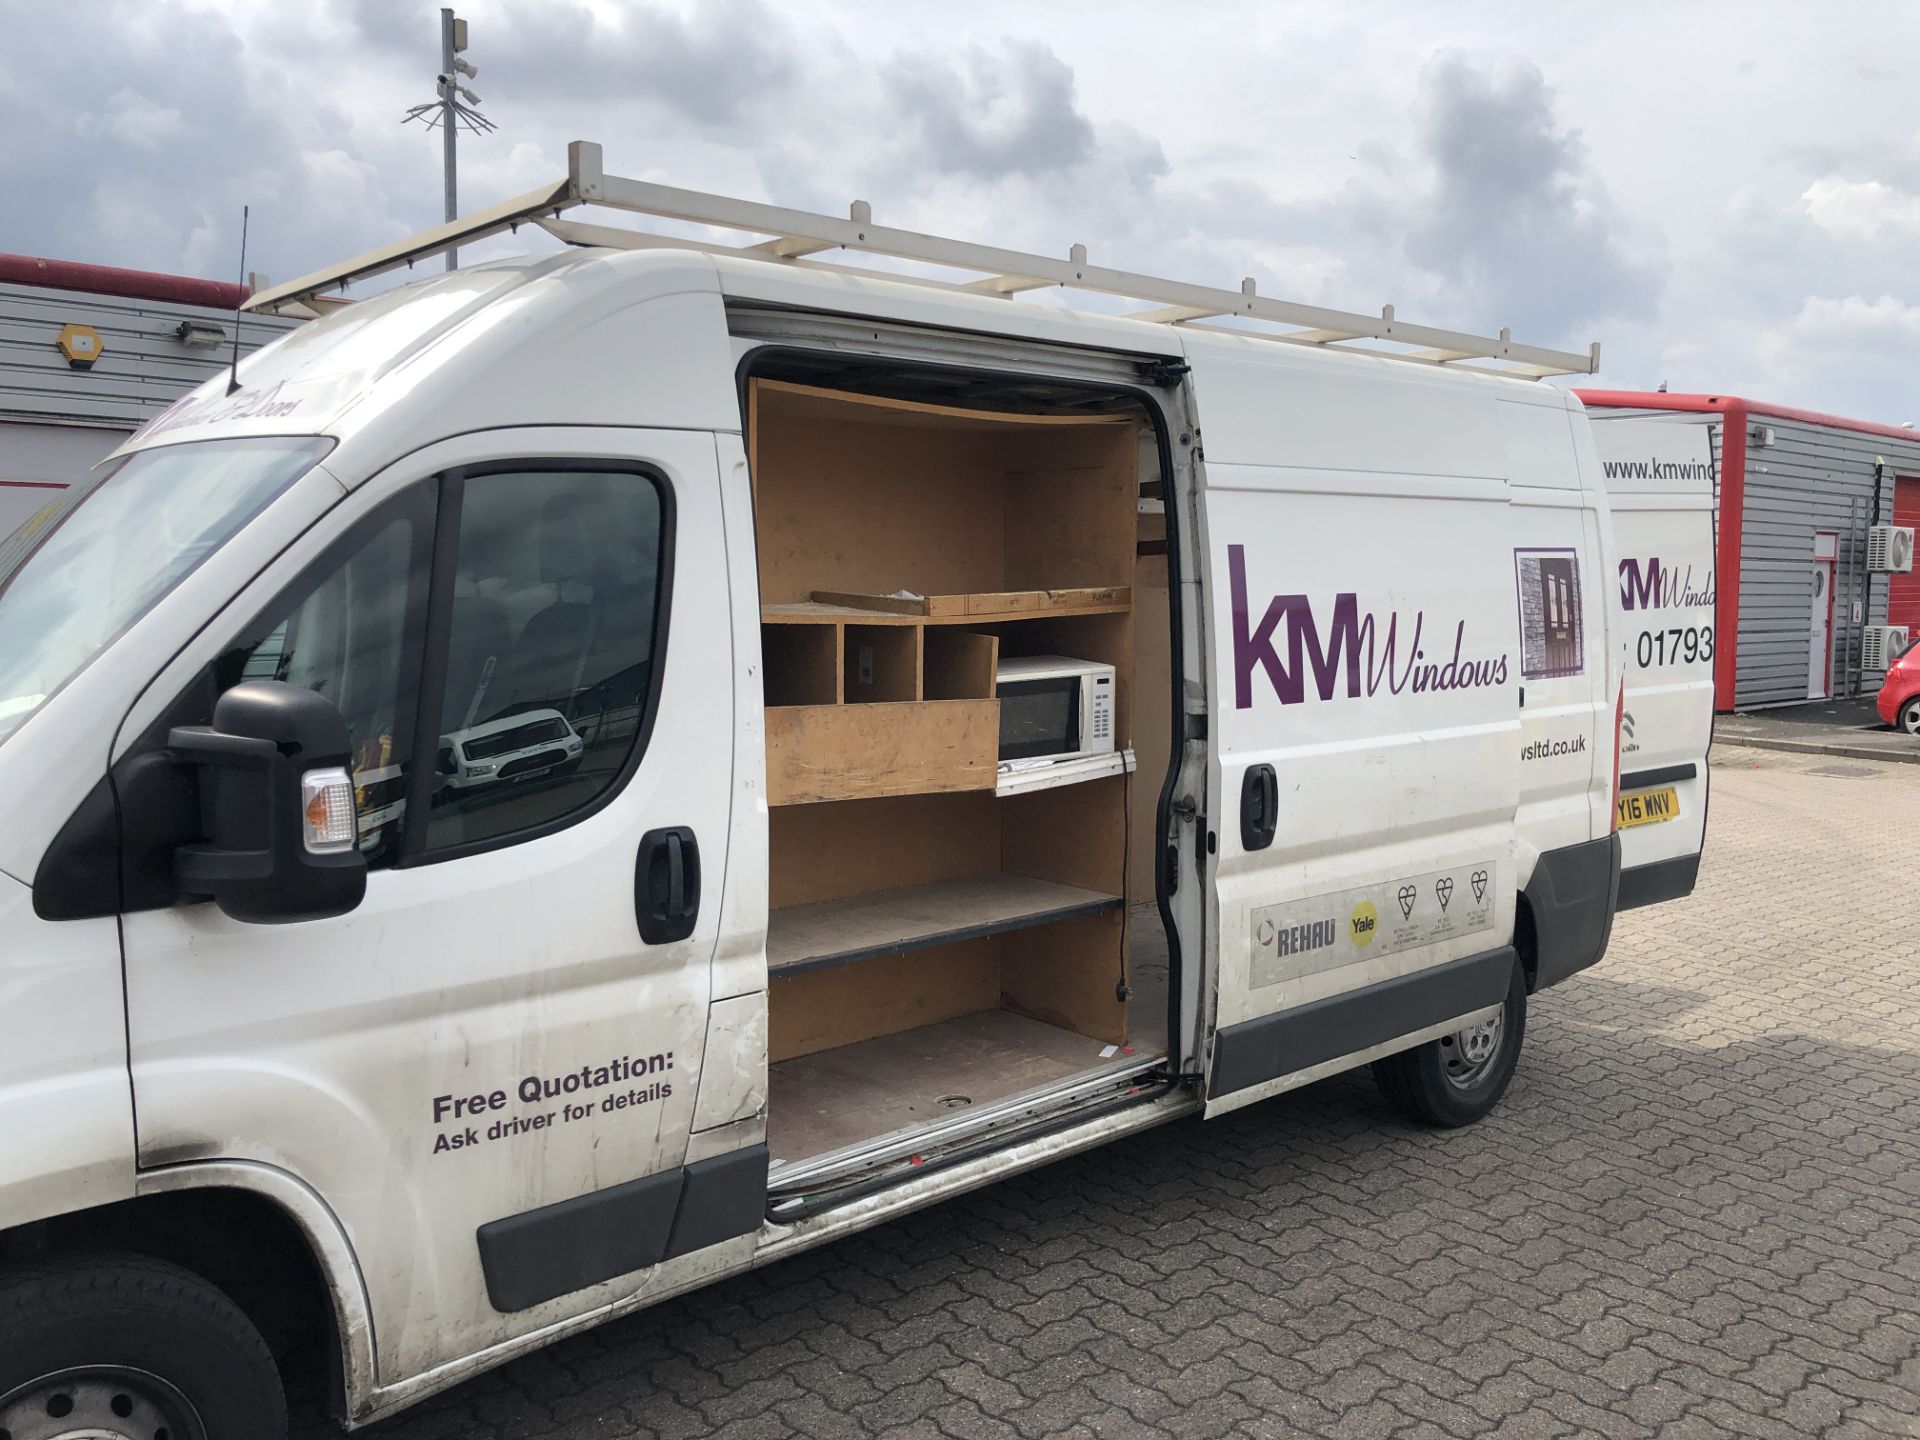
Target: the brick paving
(1851, 728)
(1697, 1213)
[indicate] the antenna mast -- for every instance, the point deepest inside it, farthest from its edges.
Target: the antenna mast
(448, 114)
(233, 374)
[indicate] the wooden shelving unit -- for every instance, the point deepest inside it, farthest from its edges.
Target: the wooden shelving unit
(903, 548)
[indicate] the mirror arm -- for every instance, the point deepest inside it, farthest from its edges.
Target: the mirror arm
(199, 868)
(203, 745)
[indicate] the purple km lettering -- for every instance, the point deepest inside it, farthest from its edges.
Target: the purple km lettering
(1649, 585)
(1351, 659)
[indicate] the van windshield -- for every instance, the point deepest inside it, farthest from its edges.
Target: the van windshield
(75, 577)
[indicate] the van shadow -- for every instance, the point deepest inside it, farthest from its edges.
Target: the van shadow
(1639, 1176)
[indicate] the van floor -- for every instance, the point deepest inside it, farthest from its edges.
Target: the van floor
(836, 1098)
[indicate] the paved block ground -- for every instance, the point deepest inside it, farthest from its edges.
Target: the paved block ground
(1850, 728)
(1697, 1213)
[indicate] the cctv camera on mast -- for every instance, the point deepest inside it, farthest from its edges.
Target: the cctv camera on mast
(457, 107)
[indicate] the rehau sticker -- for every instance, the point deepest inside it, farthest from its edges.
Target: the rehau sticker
(1325, 932)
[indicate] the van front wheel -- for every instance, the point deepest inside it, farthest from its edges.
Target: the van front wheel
(124, 1346)
(1456, 1079)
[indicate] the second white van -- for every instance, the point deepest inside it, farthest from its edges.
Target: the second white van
(1660, 479)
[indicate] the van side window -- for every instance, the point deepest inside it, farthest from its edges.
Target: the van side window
(550, 650)
(348, 633)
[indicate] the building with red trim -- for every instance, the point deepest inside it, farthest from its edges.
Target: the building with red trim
(1798, 493)
(88, 353)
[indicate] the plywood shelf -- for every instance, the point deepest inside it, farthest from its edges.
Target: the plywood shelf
(978, 605)
(813, 612)
(801, 938)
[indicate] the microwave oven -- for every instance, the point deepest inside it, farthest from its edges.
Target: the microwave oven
(1054, 708)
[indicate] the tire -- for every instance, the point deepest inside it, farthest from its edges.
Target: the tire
(1910, 716)
(1442, 1083)
(126, 1346)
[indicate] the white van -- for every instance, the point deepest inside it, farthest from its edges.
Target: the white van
(1660, 475)
(816, 931)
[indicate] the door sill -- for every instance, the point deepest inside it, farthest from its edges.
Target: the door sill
(910, 1149)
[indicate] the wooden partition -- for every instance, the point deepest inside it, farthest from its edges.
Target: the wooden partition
(1067, 975)
(856, 494)
(883, 663)
(903, 548)
(855, 847)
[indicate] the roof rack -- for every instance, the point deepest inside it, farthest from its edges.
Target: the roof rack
(797, 235)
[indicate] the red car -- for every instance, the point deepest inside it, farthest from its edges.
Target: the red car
(1900, 693)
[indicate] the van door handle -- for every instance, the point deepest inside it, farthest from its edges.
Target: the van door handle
(1259, 807)
(666, 885)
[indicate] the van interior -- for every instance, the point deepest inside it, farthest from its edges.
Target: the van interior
(962, 934)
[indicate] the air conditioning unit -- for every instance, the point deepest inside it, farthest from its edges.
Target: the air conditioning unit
(1890, 547)
(1880, 645)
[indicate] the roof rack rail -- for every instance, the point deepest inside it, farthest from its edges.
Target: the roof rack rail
(797, 235)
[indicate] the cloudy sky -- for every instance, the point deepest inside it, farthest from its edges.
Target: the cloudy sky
(1727, 196)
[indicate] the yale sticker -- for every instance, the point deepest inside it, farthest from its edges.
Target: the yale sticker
(1362, 923)
(1309, 937)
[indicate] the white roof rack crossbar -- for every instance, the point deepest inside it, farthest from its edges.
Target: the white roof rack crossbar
(796, 235)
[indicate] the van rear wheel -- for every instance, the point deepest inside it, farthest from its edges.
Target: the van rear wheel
(1458, 1078)
(133, 1349)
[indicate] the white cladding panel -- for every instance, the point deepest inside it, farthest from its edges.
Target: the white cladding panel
(1812, 478)
(143, 367)
(39, 462)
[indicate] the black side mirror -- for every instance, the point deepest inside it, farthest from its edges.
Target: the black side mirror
(276, 806)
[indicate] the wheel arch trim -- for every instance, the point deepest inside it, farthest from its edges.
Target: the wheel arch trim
(331, 1248)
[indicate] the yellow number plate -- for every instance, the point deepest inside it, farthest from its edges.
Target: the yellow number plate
(1648, 807)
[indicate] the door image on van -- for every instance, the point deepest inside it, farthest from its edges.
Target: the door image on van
(1549, 589)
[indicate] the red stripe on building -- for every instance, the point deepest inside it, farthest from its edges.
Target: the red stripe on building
(1661, 400)
(109, 280)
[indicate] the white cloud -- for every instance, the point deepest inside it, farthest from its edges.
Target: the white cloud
(1475, 165)
(1861, 208)
(1853, 320)
(134, 120)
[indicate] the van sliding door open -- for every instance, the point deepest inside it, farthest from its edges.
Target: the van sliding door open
(1364, 763)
